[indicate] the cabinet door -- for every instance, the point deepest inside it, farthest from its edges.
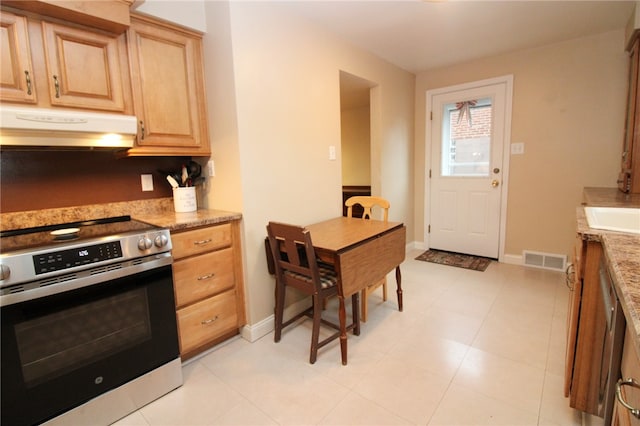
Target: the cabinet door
(573, 312)
(15, 60)
(168, 88)
(85, 69)
(584, 394)
(629, 177)
(631, 107)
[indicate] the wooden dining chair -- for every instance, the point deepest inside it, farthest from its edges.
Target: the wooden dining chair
(296, 266)
(367, 203)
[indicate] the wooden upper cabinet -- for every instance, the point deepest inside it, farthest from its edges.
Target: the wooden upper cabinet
(67, 66)
(168, 89)
(629, 177)
(107, 15)
(85, 69)
(15, 66)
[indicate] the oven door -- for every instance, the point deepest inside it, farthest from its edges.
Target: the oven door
(60, 351)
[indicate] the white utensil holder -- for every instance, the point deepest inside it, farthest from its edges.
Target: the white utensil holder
(184, 199)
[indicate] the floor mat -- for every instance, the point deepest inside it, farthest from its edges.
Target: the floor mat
(459, 260)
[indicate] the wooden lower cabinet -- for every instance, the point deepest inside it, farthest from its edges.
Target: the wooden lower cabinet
(585, 330)
(208, 285)
(574, 281)
(629, 369)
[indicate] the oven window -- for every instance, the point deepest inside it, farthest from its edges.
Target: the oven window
(52, 345)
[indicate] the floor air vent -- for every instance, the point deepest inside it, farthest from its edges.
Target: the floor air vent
(556, 262)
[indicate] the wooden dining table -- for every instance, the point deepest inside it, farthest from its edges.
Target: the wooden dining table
(363, 252)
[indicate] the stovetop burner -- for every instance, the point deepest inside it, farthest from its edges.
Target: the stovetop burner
(33, 257)
(42, 236)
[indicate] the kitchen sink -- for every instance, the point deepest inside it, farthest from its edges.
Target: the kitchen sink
(614, 218)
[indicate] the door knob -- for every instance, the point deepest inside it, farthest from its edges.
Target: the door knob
(495, 183)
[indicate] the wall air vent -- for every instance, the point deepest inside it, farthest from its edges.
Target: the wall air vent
(555, 262)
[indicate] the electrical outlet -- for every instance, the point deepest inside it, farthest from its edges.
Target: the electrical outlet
(147, 182)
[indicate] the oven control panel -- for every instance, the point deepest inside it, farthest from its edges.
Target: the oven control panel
(70, 258)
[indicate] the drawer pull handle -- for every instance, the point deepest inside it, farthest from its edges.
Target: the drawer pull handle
(201, 242)
(628, 382)
(209, 321)
(570, 276)
(206, 277)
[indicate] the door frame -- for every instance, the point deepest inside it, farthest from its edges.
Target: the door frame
(508, 81)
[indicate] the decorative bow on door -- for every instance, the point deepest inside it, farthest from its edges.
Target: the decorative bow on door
(465, 109)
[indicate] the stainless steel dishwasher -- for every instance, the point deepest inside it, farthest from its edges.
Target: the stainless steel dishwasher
(612, 344)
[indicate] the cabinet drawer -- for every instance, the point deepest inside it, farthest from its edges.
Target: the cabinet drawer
(206, 320)
(198, 277)
(201, 240)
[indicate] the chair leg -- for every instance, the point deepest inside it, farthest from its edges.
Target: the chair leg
(315, 334)
(355, 314)
(384, 290)
(279, 311)
(363, 304)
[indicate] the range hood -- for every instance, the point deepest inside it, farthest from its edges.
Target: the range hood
(46, 128)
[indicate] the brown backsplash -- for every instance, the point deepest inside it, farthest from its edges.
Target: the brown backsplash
(34, 180)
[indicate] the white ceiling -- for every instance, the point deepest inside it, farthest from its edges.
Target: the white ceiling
(419, 35)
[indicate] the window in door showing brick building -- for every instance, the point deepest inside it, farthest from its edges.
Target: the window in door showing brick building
(466, 149)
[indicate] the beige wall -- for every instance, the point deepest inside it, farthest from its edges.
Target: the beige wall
(568, 110)
(274, 109)
(224, 191)
(356, 146)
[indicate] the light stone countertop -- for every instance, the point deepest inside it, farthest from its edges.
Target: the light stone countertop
(181, 221)
(621, 251)
(158, 212)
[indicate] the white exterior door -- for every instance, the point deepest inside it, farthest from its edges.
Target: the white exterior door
(469, 131)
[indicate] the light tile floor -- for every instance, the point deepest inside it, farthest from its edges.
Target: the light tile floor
(470, 348)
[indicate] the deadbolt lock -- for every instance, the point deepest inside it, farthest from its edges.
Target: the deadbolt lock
(496, 170)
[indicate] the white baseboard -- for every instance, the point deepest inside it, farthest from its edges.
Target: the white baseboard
(253, 332)
(513, 259)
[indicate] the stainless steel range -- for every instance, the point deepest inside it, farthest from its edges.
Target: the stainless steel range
(88, 321)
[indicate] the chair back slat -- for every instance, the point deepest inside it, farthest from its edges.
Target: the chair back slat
(294, 256)
(367, 203)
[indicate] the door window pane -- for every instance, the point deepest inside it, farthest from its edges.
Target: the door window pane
(466, 138)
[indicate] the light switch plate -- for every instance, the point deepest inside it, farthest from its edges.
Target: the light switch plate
(332, 152)
(517, 148)
(147, 182)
